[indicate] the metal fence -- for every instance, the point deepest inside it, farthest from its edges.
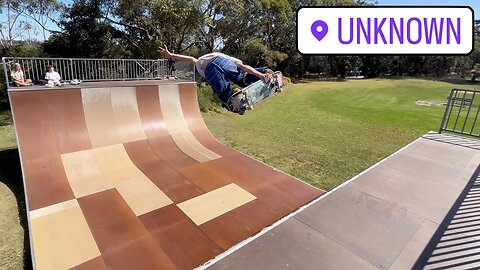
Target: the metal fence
(90, 70)
(461, 113)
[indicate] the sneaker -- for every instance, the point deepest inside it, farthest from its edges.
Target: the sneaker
(75, 82)
(236, 103)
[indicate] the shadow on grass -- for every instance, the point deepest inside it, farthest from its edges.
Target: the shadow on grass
(455, 243)
(5, 118)
(450, 80)
(459, 81)
(314, 80)
(11, 176)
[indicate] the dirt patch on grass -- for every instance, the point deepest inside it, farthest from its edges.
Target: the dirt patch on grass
(429, 103)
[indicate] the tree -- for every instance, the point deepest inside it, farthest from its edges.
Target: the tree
(213, 26)
(474, 57)
(17, 49)
(259, 33)
(22, 18)
(41, 12)
(297, 64)
(12, 27)
(149, 24)
(85, 33)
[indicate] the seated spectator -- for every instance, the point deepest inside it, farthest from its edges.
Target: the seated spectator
(52, 77)
(18, 77)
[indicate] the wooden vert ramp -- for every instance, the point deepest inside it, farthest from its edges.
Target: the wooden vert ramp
(126, 175)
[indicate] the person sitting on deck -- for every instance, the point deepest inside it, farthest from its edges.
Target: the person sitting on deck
(52, 77)
(219, 70)
(18, 77)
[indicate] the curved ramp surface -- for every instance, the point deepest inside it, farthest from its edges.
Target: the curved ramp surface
(127, 176)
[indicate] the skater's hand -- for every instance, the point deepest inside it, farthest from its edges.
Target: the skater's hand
(164, 52)
(266, 77)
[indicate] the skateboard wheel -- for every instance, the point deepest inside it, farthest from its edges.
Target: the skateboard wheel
(249, 107)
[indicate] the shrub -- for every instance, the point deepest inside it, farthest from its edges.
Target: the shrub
(206, 100)
(4, 104)
(287, 80)
(3, 96)
(208, 103)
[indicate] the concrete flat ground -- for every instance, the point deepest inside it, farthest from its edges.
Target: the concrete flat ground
(417, 209)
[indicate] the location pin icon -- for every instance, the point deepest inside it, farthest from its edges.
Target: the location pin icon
(319, 33)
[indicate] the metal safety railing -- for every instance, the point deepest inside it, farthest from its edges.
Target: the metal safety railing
(462, 113)
(89, 70)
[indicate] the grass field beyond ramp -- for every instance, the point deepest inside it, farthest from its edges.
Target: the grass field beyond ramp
(326, 132)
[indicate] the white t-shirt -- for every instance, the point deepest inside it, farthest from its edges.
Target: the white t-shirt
(52, 76)
(204, 60)
(17, 75)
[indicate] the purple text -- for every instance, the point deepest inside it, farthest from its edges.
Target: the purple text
(399, 31)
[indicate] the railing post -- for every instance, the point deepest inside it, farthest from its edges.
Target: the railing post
(446, 110)
(468, 113)
(71, 69)
(5, 72)
(458, 109)
(194, 69)
(89, 69)
(123, 69)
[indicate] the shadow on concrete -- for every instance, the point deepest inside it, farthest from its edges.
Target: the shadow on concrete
(455, 244)
(11, 176)
(454, 140)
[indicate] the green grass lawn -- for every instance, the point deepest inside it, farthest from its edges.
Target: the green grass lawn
(12, 200)
(326, 132)
(320, 132)
(7, 132)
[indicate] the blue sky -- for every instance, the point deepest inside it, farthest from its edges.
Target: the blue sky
(475, 4)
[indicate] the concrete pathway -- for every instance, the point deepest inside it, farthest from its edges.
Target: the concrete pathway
(417, 209)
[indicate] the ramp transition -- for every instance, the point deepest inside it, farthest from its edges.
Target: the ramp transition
(125, 175)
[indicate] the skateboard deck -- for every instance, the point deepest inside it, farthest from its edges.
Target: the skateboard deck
(259, 90)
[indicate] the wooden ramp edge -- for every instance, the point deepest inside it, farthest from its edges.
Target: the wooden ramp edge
(129, 177)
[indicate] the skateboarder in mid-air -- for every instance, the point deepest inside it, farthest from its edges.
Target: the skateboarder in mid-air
(219, 70)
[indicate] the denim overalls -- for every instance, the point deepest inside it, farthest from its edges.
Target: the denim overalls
(221, 71)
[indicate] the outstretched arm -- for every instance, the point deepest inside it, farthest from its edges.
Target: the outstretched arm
(248, 69)
(179, 57)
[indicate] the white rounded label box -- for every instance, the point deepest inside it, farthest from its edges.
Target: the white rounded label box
(440, 30)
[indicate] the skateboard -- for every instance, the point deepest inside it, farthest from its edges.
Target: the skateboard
(259, 90)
